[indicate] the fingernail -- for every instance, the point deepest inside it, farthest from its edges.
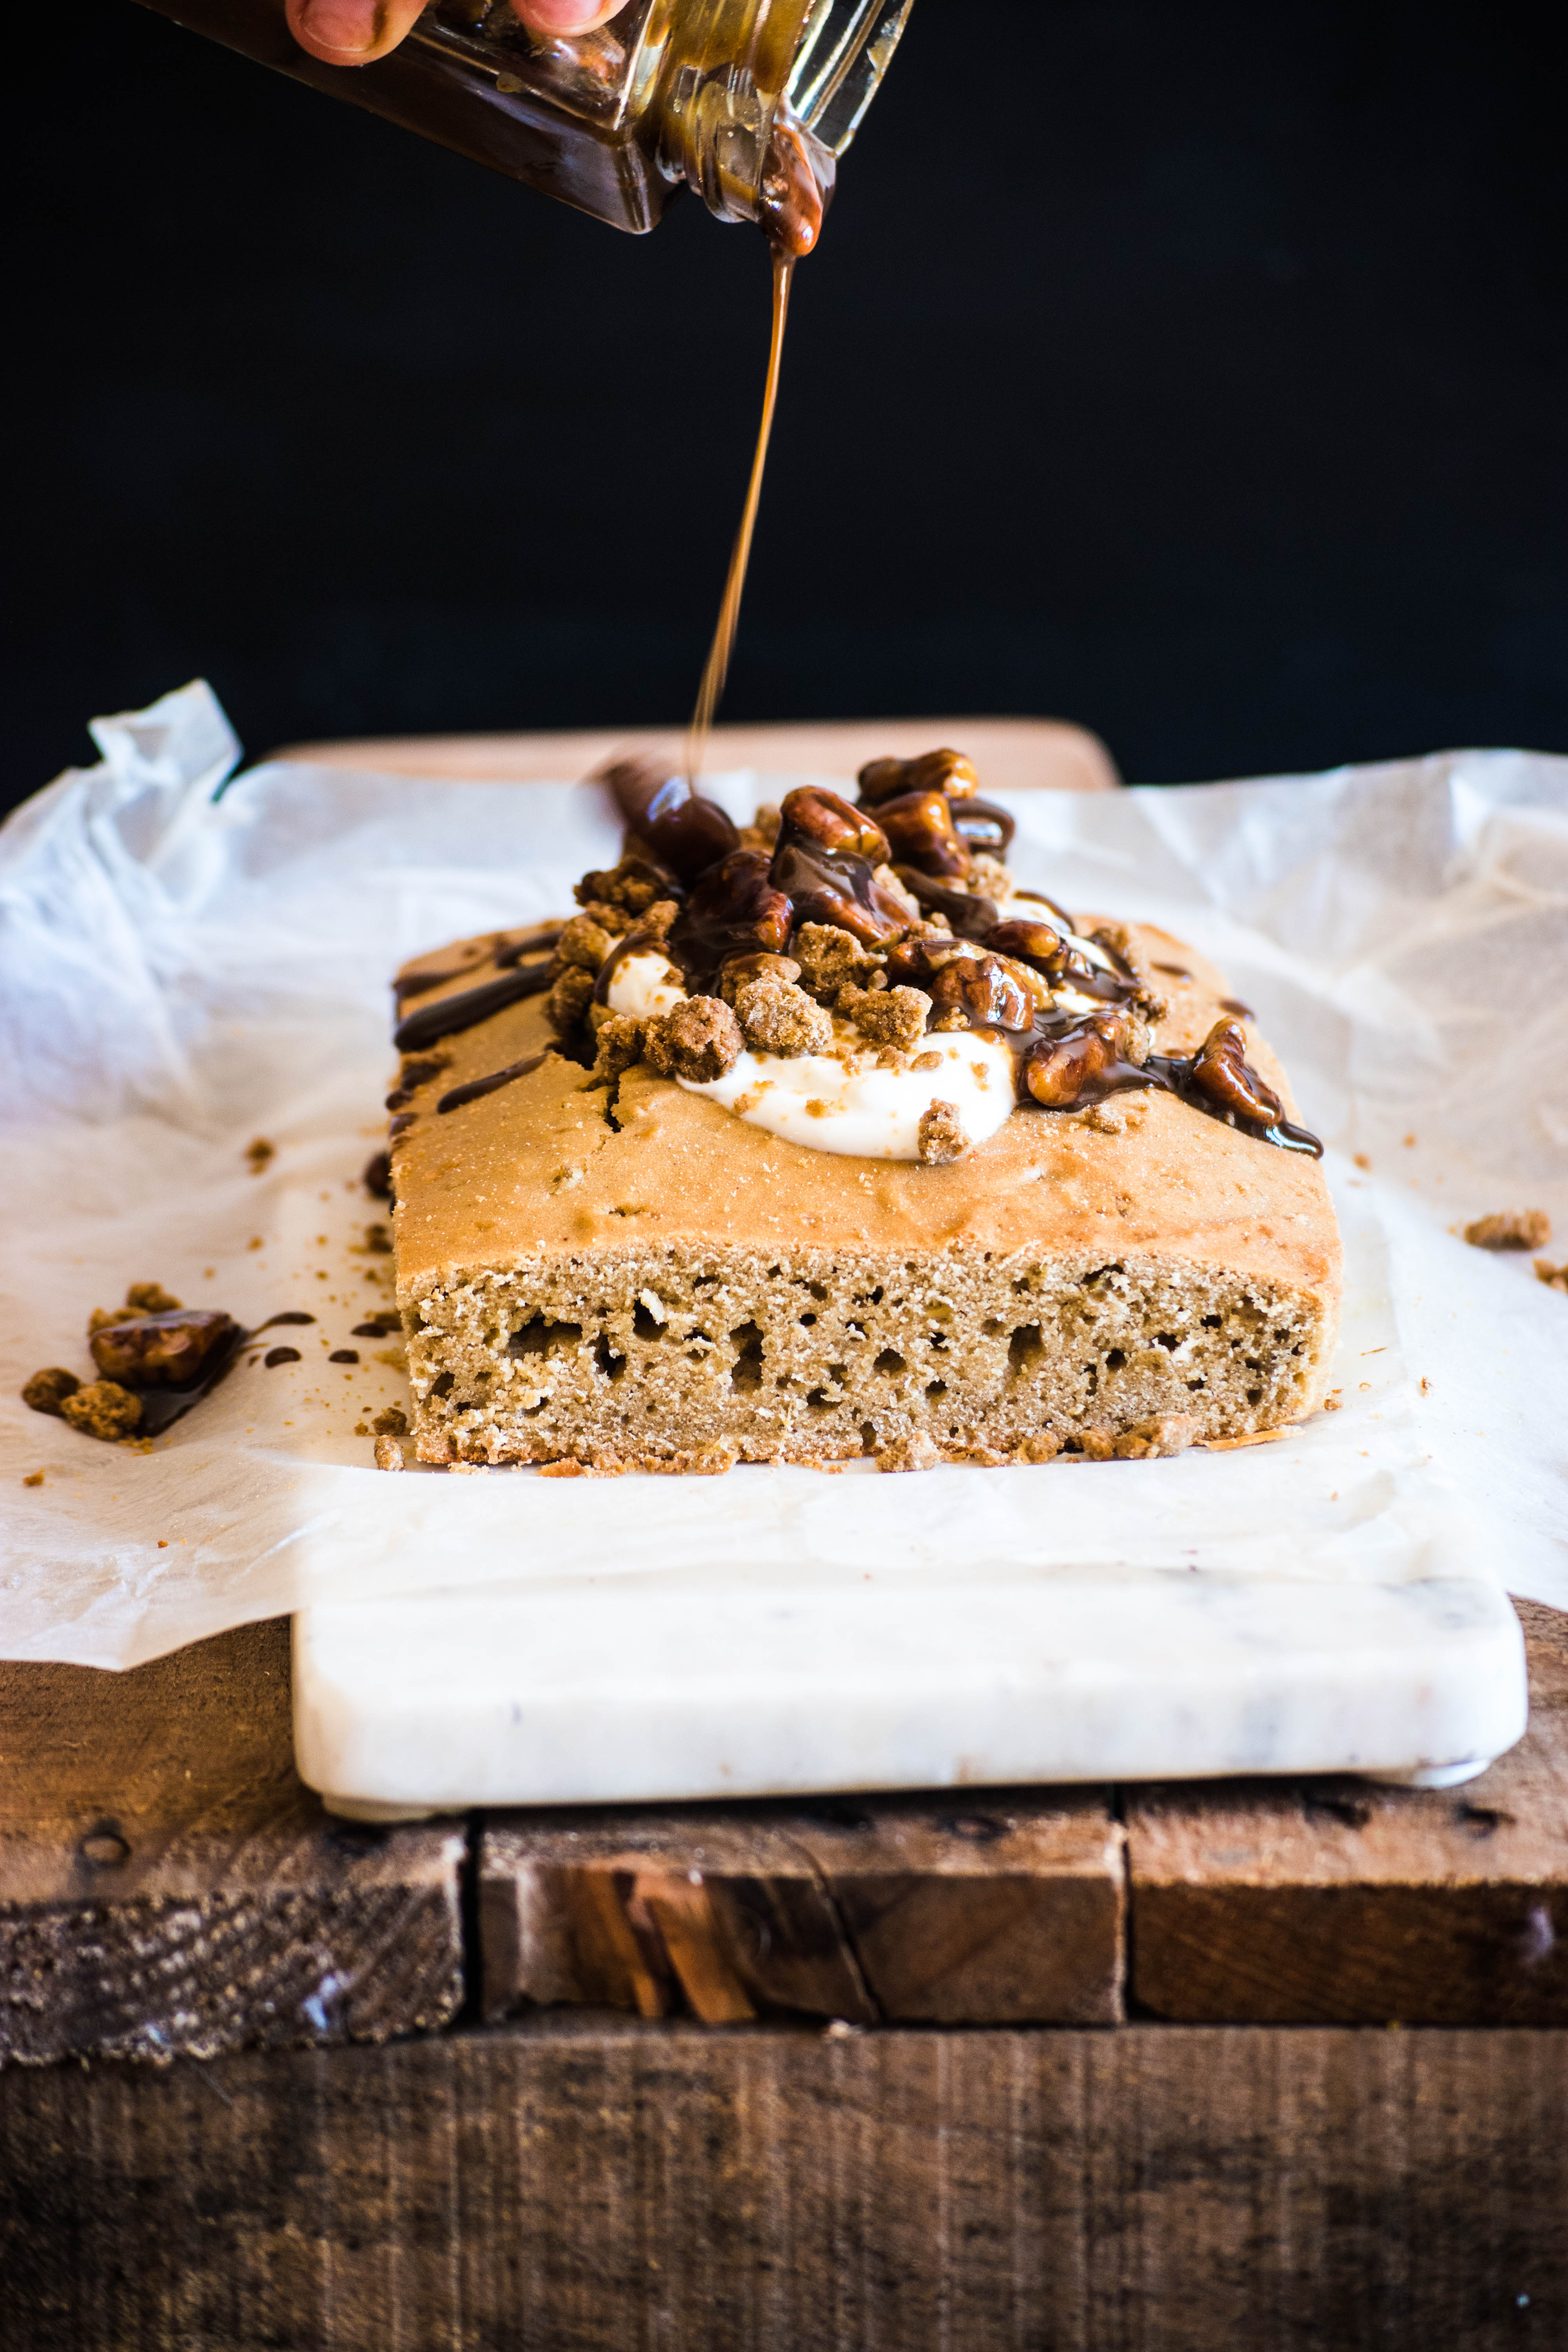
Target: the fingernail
(348, 25)
(560, 16)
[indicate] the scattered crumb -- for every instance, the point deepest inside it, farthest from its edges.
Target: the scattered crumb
(1097, 1444)
(1362, 1161)
(1409, 1143)
(943, 1136)
(259, 1152)
(48, 1391)
(33, 1478)
(378, 1241)
(361, 1429)
(388, 1453)
(561, 1470)
(1168, 1434)
(1425, 1384)
(1332, 1403)
(102, 1409)
(1041, 1447)
(1554, 1276)
(914, 1453)
(256, 1242)
(1511, 1229)
(162, 1543)
(151, 1298)
(393, 1423)
(465, 1469)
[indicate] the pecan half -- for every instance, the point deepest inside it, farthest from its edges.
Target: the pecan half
(162, 1351)
(1060, 1070)
(1222, 1071)
(921, 829)
(984, 989)
(933, 771)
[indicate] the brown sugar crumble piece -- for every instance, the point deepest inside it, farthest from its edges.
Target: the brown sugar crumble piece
(831, 960)
(393, 1423)
(33, 1478)
(388, 1453)
(888, 1016)
(1554, 1276)
(700, 1040)
(943, 1135)
(48, 1391)
(102, 1409)
(776, 1017)
(1511, 1229)
(151, 1298)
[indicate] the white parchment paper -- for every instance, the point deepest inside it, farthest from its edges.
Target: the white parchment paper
(186, 966)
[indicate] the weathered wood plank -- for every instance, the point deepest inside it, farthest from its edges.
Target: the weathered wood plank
(1340, 1902)
(166, 1882)
(577, 2186)
(1003, 1910)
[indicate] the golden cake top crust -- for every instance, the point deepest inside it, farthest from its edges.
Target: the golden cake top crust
(536, 1168)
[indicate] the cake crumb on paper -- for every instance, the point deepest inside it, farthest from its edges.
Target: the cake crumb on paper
(1511, 1229)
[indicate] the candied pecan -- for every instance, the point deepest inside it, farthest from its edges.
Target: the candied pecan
(1223, 1073)
(1511, 1229)
(635, 884)
(569, 999)
(986, 828)
(162, 1351)
(684, 831)
(933, 771)
(1060, 1070)
(698, 1040)
(1121, 941)
(776, 1017)
(916, 1451)
(47, 1391)
(968, 913)
(830, 957)
(812, 813)
(583, 942)
(1167, 1433)
(942, 1134)
(888, 1016)
(737, 970)
(920, 829)
(985, 990)
(102, 1409)
(734, 909)
(620, 1043)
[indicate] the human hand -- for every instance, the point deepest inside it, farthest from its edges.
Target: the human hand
(357, 32)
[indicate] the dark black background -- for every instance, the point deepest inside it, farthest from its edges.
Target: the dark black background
(1197, 371)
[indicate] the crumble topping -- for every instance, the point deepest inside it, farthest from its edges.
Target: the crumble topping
(1511, 1229)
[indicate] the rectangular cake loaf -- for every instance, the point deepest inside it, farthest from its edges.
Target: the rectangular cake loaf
(1058, 1205)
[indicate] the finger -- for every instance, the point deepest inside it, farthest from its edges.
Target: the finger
(350, 32)
(565, 15)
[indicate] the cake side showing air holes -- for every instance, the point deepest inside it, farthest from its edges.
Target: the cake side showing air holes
(674, 1357)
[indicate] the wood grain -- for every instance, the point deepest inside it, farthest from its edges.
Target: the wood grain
(1012, 754)
(578, 2186)
(1004, 1909)
(1340, 1902)
(168, 1884)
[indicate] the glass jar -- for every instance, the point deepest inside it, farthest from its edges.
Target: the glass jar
(668, 94)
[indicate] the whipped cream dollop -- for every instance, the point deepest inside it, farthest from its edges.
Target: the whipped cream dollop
(845, 1100)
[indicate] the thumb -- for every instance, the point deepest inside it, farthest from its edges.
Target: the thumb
(350, 32)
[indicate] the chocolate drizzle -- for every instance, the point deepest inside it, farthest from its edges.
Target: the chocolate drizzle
(476, 1088)
(455, 1013)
